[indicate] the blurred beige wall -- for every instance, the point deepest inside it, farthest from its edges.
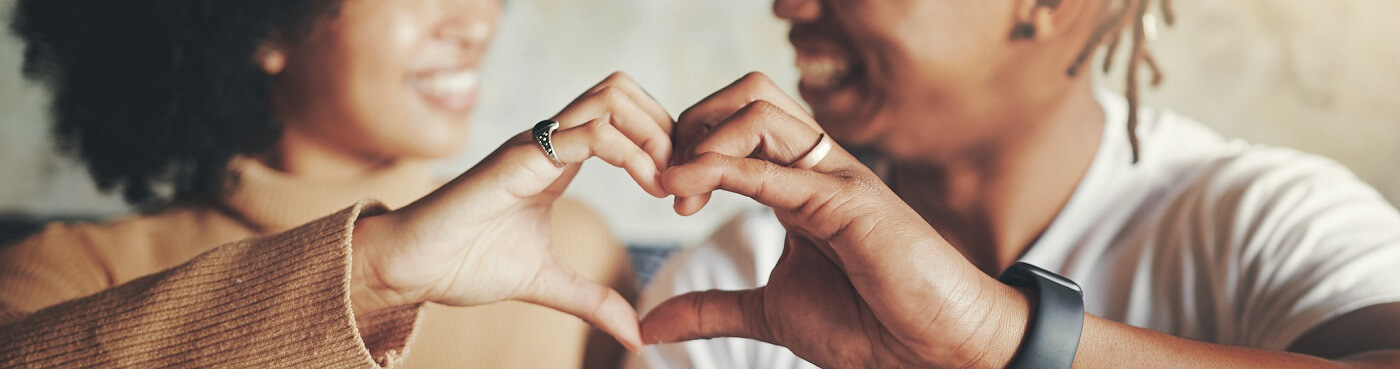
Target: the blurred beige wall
(1319, 76)
(1314, 75)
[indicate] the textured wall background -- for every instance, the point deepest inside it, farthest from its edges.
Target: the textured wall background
(1314, 75)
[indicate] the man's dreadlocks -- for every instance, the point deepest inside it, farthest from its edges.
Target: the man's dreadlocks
(1132, 13)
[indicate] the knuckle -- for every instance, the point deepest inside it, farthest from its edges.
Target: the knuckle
(762, 106)
(701, 149)
(697, 309)
(612, 95)
(848, 177)
(689, 116)
(595, 297)
(654, 145)
(618, 77)
(762, 111)
(597, 127)
(710, 158)
(757, 79)
(613, 79)
(766, 169)
(853, 181)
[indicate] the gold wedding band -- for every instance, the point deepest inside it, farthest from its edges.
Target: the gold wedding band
(815, 155)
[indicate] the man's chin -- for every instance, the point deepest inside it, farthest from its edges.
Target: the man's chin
(846, 131)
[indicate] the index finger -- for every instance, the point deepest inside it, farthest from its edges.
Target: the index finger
(698, 120)
(704, 115)
(638, 95)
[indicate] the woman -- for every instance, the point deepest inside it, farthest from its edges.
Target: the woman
(264, 116)
(990, 146)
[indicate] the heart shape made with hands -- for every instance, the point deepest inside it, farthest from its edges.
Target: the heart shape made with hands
(484, 237)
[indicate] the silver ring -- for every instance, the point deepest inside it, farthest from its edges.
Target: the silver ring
(814, 156)
(542, 133)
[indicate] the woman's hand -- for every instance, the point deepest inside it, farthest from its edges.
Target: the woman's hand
(863, 281)
(485, 236)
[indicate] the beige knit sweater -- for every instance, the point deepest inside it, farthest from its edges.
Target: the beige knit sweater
(260, 278)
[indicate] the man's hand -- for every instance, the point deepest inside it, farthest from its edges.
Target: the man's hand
(863, 281)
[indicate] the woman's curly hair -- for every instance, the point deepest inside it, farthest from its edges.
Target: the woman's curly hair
(159, 95)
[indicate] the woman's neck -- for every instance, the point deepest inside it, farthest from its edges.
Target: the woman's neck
(301, 180)
(303, 156)
(994, 198)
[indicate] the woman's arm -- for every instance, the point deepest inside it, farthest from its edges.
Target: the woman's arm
(279, 300)
(482, 238)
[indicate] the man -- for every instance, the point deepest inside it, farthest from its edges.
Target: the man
(1191, 249)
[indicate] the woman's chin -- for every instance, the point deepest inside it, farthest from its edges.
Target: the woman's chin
(438, 148)
(430, 143)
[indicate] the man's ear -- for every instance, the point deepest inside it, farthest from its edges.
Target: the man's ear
(1035, 19)
(272, 57)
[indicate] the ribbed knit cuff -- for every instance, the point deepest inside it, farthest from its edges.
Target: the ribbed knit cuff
(281, 300)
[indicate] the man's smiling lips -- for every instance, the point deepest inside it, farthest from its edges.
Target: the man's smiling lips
(823, 64)
(831, 75)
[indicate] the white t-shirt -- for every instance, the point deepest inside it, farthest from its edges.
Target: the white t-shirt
(1206, 238)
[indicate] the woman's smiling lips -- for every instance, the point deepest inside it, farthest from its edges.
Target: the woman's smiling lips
(453, 90)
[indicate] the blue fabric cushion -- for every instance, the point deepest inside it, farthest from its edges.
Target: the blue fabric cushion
(647, 260)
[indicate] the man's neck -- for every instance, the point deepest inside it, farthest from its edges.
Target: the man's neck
(994, 198)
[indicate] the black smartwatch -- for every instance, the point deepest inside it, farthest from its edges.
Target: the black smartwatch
(1052, 336)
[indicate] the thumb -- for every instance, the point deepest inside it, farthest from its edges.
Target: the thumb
(560, 288)
(708, 314)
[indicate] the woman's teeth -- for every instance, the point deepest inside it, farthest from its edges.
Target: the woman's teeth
(822, 72)
(447, 83)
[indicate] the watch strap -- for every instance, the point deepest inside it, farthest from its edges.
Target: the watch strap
(1053, 333)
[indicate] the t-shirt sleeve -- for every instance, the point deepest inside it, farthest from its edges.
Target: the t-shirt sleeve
(275, 301)
(1316, 243)
(739, 255)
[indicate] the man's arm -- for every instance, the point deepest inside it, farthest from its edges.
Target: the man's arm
(1371, 329)
(1367, 338)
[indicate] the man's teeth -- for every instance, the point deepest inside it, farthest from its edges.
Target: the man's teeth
(448, 83)
(822, 72)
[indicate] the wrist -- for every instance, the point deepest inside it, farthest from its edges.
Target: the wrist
(1013, 317)
(369, 294)
(1056, 318)
(990, 329)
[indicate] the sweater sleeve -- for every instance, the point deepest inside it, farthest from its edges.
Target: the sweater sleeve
(281, 300)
